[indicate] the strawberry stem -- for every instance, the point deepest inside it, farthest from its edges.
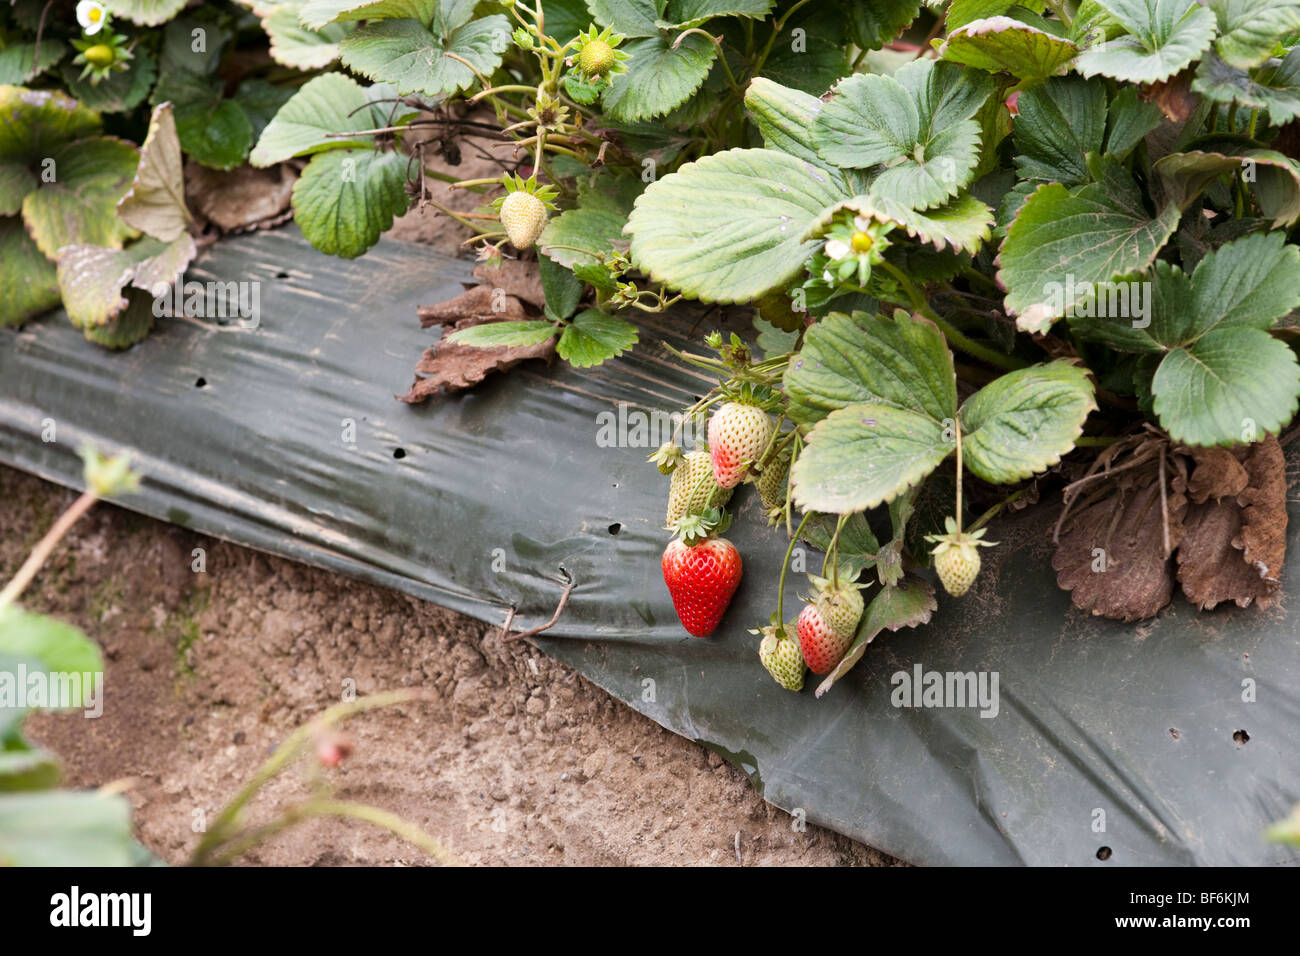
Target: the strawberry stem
(957, 426)
(780, 587)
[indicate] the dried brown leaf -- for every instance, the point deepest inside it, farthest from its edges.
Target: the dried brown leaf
(1112, 556)
(240, 199)
(1236, 543)
(1217, 474)
(510, 293)
(523, 280)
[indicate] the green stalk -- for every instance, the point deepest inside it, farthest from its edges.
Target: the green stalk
(780, 586)
(954, 337)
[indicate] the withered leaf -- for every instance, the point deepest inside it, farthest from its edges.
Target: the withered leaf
(1112, 558)
(241, 199)
(448, 367)
(523, 280)
(1236, 531)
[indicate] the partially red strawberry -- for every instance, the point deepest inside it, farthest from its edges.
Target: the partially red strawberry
(738, 436)
(702, 573)
(828, 624)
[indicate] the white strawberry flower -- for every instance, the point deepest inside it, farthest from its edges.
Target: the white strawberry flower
(837, 249)
(92, 16)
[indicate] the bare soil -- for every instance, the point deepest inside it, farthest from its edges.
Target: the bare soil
(516, 760)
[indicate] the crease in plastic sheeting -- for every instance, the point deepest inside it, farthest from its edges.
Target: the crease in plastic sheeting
(246, 458)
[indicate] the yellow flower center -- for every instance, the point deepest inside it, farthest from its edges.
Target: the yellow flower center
(862, 242)
(94, 14)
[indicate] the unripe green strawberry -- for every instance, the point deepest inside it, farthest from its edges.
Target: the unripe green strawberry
(781, 656)
(694, 488)
(957, 557)
(738, 436)
(771, 480)
(958, 567)
(524, 217)
(101, 54)
(596, 58)
(828, 624)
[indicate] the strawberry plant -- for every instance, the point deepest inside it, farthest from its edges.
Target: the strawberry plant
(1049, 249)
(83, 86)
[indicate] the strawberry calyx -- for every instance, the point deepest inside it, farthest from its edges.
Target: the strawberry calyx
(953, 538)
(668, 456)
(700, 526)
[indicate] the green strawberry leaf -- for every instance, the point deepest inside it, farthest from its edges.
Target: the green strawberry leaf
(28, 769)
(65, 828)
(861, 456)
(659, 77)
(54, 645)
(1275, 178)
(1231, 385)
(1222, 378)
(330, 103)
(440, 16)
(784, 117)
(1022, 422)
(19, 63)
(80, 204)
(29, 284)
(155, 203)
(594, 227)
(731, 226)
(964, 223)
(300, 47)
(92, 278)
(146, 13)
(1063, 240)
(16, 183)
(871, 25)
(261, 101)
(565, 19)
(493, 335)
(214, 131)
(1274, 86)
(35, 123)
(1249, 30)
(962, 12)
(813, 64)
(917, 123)
(909, 603)
(1129, 121)
(871, 360)
(409, 55)
(194, 45)
(346, 198)
(1163, 37)
(133, 324)
(857, 546)
(563, 290)
(121, 91)
(632, 18)
(594, 336)
(691, 13)
(1059, 124)
(1003, 45)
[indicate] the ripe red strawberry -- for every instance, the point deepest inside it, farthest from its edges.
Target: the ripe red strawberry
(828, 624)
(738, 436)
(702, 574)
